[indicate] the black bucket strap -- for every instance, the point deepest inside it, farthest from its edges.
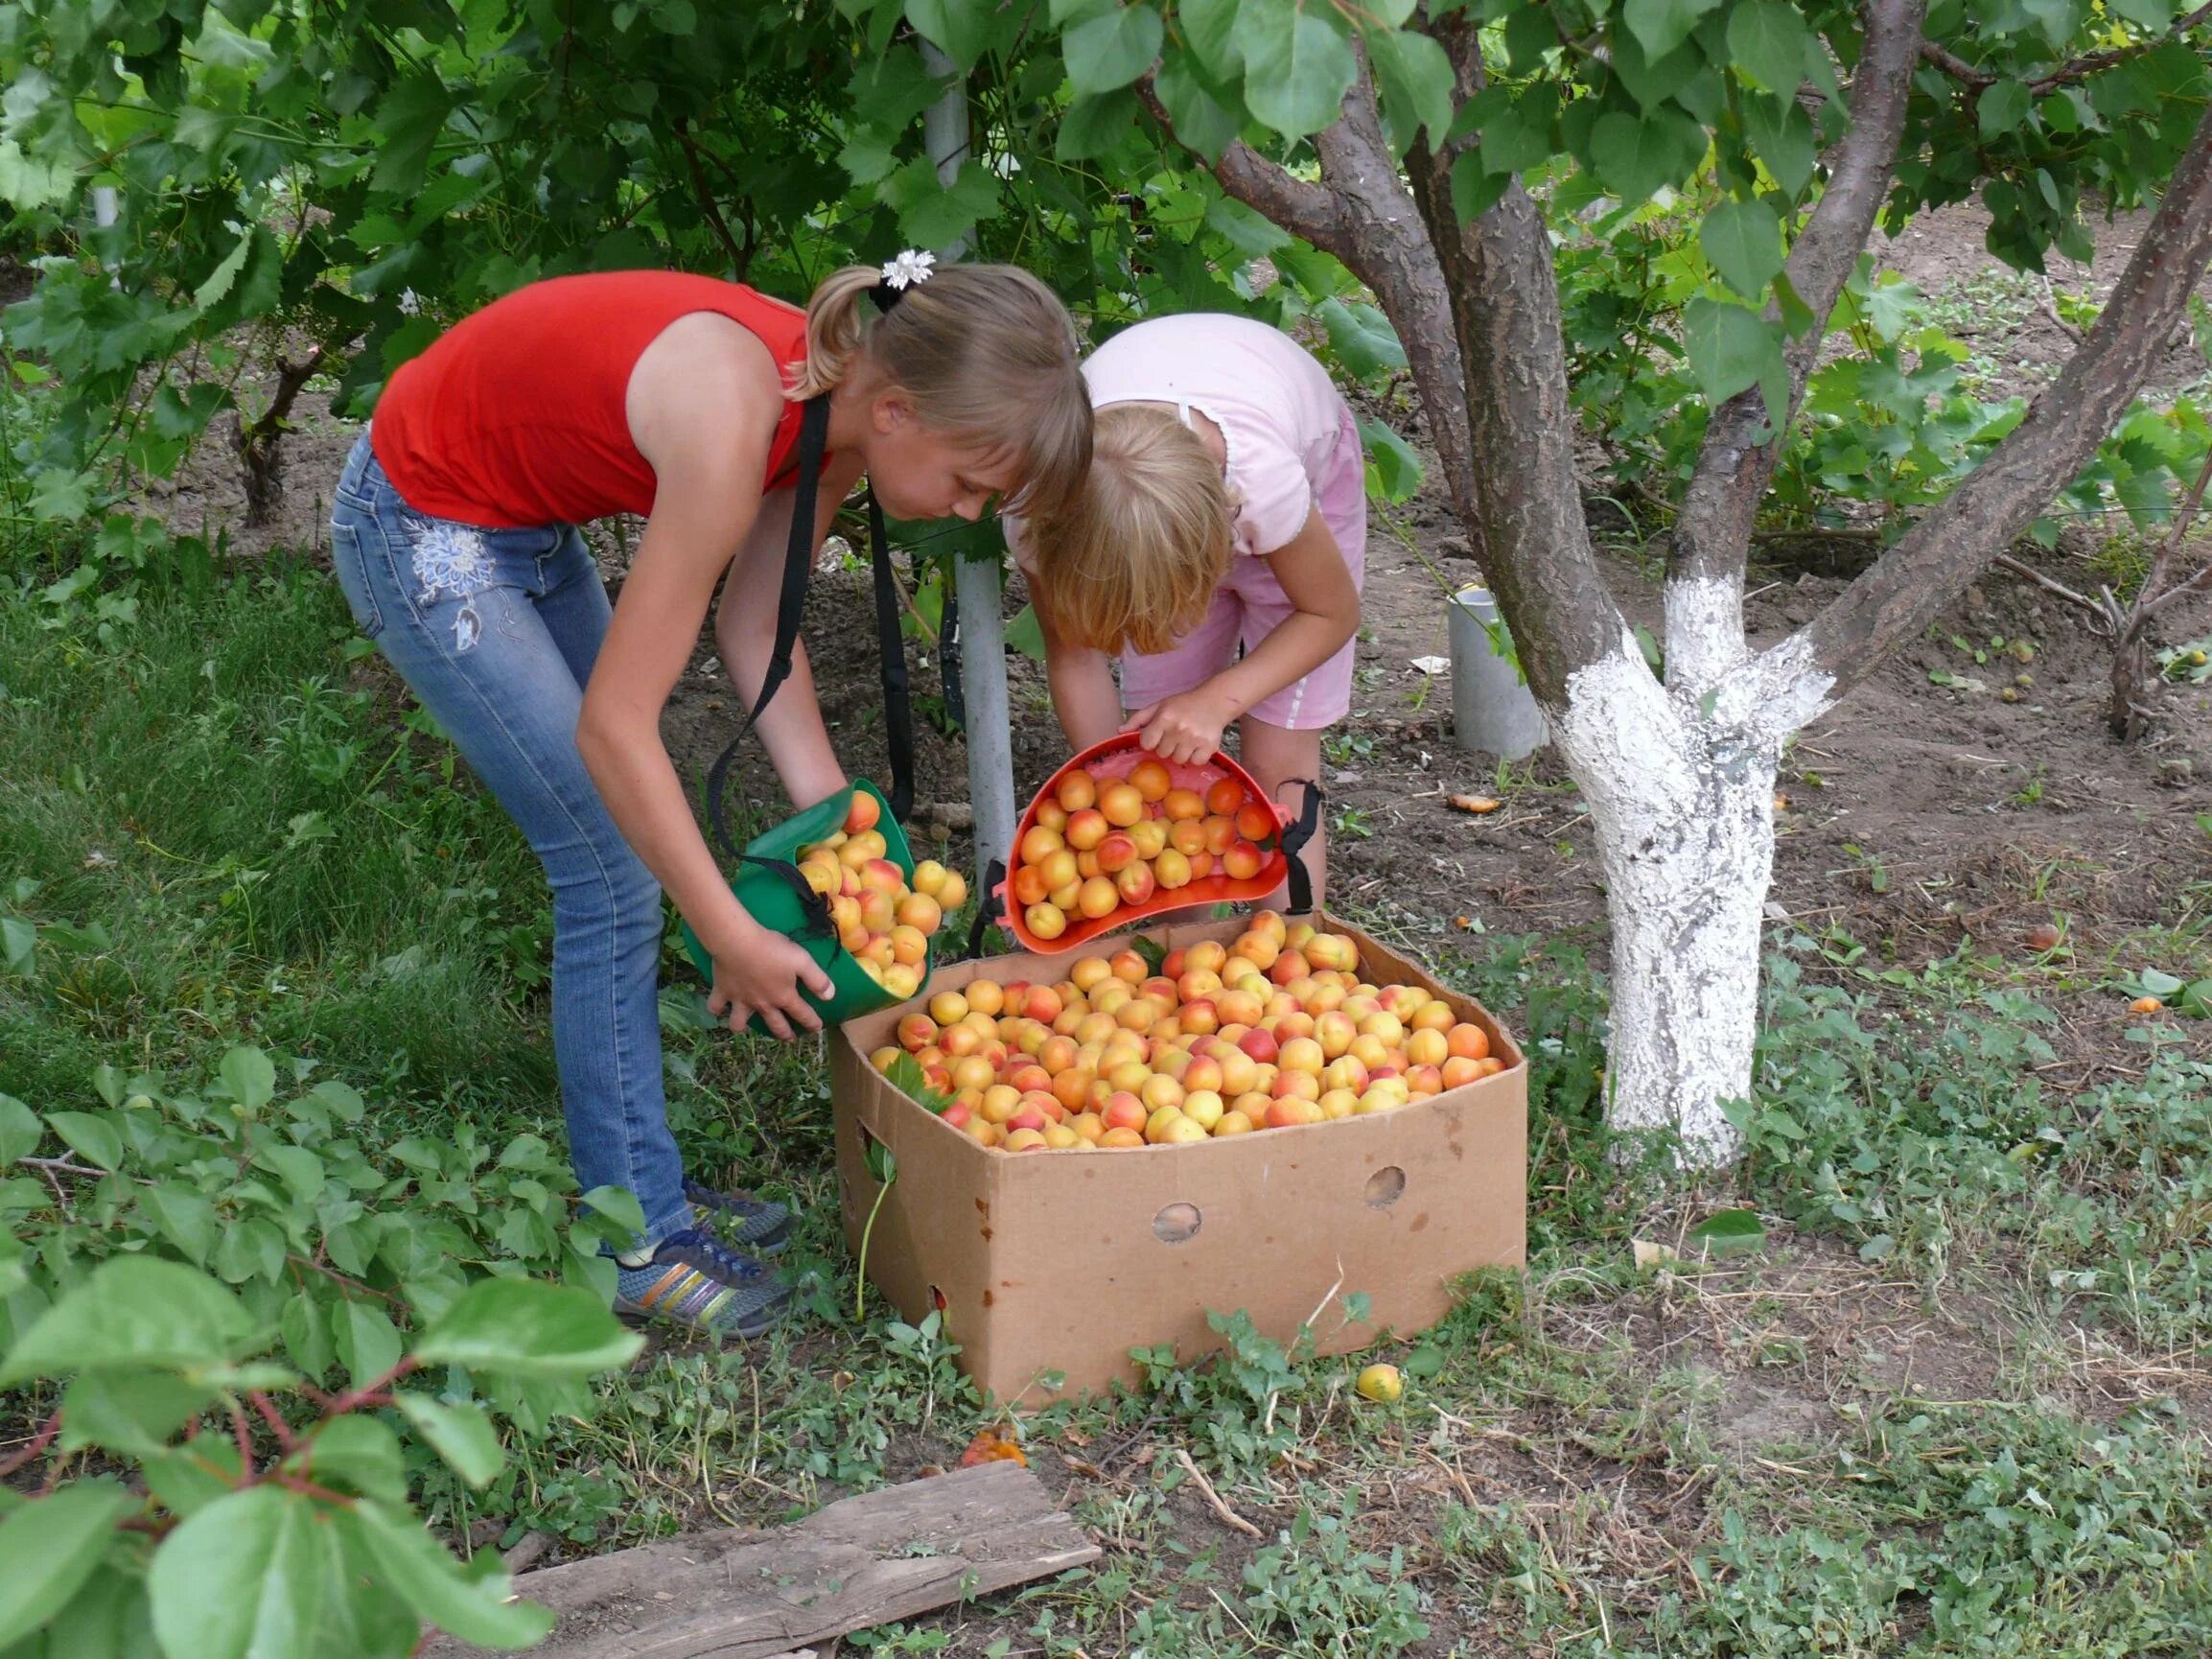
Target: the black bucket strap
(1295, 835)
(989, 908)
(790, 605)
(898, 705)
(816, 906)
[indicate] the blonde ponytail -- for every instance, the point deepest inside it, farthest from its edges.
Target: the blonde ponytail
(986, 352)
(834, 329)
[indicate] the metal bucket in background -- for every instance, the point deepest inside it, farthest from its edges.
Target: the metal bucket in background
(1492, 712)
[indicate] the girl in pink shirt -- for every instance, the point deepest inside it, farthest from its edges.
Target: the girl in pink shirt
(1217, 548)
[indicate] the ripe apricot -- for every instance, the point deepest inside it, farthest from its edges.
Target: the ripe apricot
(1223, 796)
(1046, 920)
(1121, 804)
(1077, 790)
(1179, 805)
(1151, 778)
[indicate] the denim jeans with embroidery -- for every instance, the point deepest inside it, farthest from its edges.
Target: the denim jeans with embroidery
(496, 632)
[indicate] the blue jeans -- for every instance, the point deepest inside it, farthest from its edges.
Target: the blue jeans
(496, 632)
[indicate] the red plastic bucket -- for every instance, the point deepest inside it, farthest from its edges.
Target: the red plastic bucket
(1113, 762)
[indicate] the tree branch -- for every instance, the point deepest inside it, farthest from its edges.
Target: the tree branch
(740, 258)
(1504, 292)
(2066, 73)
(1361, 213)
(1734, 464)
(1307, 210)
(1898, 595)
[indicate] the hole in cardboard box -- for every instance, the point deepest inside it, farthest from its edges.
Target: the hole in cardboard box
(1177, 1223)
(937, 1298)
(871, 1148)
(1386, 1187)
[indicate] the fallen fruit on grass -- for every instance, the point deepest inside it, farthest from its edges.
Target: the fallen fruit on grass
(2044, 936)
(988, 1447)
(1476, 804)
(2145, 1005)
(1381, 1384)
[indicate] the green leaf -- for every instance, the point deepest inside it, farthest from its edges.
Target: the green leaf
(52, 1546)
(2158, 982)
(930, 215)
(94, 1139)
(1251, 233)
(1416, 81)
(1202, 125)
(182, 1216)
(2002, 107)
(960, 29)
(252, 1249)
(184, 1480)
(1731, 347)
(1636, 157)
(408, 120)
(305, 1327)
(18, 944)
(20, 1131)
(1767, 40)
(406, 1561)
(523, 1328)
(1475, 187)
(461, 1435)
(249, 1076)
(1423, 1365)
(28, 185)
(217, 281)
(1026, 634)
(1092, 127)
(1781, 135)
(1730, 1232)
(1106, 53)
(137, 1311)
(358, 1454)
(1394, 469)
(1210, 26)
(1660, 25)
(368, 1343)
(1743, 241)
(618, 1205)
(2147, 13)
(1362, 338)
(1297, 66)
(134, 1412)
(245, 1576)
(865, 157)
(299, 1169)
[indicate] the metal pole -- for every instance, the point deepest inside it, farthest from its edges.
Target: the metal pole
(977, 583)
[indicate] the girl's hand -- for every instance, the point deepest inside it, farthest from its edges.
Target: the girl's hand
(1187, 728)
(762, 973)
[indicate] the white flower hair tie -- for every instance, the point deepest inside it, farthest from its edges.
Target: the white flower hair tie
(908, 268)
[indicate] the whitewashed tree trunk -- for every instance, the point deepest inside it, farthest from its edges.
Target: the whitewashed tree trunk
(1682, 809)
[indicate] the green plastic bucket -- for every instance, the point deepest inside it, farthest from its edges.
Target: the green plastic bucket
(771, 901)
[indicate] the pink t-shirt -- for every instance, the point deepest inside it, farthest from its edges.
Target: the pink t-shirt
(1280, 414)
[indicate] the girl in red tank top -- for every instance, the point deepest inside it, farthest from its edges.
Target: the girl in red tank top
(677, 398)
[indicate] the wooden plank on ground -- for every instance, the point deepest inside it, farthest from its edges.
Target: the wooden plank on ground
(862, 1561)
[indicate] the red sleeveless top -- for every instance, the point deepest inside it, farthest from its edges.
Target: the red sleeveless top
(515, 416)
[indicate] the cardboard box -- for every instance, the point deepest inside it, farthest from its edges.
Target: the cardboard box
(1063, 1261)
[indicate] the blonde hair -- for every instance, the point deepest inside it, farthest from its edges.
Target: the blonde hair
(1134, 559)
(987, 354)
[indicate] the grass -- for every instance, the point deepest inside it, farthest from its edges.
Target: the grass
(1956, 1405)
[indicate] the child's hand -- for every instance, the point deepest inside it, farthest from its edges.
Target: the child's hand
(1186, 729)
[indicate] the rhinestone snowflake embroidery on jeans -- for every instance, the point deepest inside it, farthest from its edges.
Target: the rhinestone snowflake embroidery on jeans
(451, 559)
